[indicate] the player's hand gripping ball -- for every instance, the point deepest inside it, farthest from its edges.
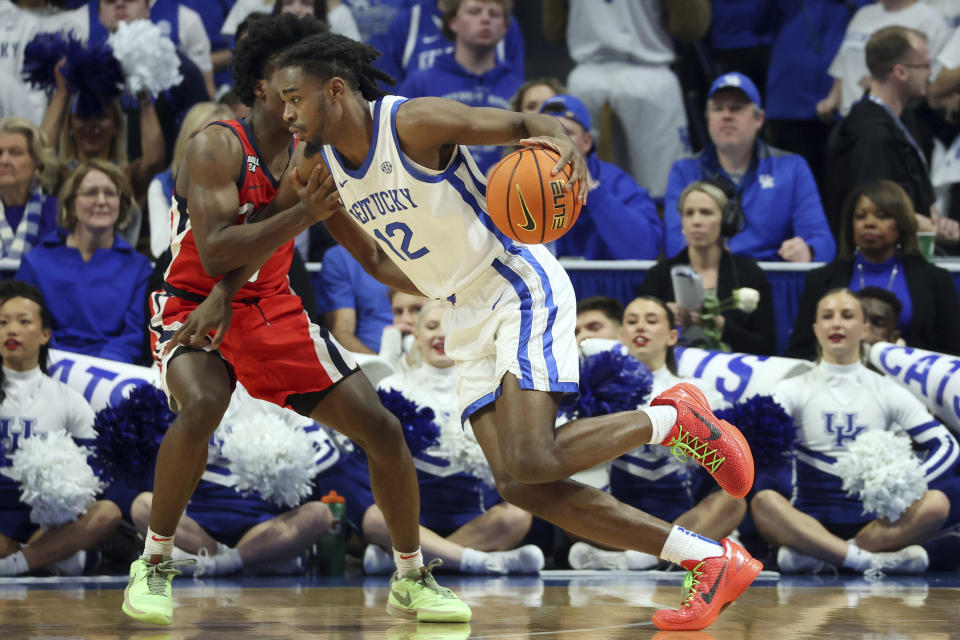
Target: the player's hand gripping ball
(526, 202)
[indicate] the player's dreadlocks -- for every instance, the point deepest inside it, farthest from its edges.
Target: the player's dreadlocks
(267, 37)
(329, 54)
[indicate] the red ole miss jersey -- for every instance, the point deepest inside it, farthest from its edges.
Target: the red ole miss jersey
(256, 187)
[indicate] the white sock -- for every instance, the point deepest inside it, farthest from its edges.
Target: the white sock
(13, 565)
(662, 418)
(640, 561)
(407, 561)
(473, 561)
(857, 559)
(227, 560)
(686, 545)
(157, 545)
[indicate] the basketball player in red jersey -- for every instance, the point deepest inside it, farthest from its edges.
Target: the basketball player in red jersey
(229, 172)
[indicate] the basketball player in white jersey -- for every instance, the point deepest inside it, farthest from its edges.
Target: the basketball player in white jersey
(413, 213)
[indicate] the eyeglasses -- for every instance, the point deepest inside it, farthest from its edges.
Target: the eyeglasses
(91, 194)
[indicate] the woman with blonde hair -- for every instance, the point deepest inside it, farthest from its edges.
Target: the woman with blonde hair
(28, 175)
(160, 192)
(94, 282)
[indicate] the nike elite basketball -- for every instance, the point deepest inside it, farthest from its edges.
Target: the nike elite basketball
(526, 202)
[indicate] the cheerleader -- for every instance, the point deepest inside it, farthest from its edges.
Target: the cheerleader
(649, 477)
(224, 530)
(464, 521)
(832, 405)
(32, 403)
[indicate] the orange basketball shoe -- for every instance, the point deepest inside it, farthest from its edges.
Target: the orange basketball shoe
(709, 587)
(715, 444)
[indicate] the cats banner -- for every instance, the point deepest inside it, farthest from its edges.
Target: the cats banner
(737, 376)
(932, 377)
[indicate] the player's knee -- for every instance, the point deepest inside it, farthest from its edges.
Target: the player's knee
(201, 411)
(382, 436)
(533, 468)
(515, 492)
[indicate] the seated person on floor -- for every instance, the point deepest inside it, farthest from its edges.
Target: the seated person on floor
(463, 519)
(225, 531)
(31, 404)
(832, 405)
(650, 478)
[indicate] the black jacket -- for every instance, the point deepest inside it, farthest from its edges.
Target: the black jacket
(936, 309)
(744, 332)
(868, 145)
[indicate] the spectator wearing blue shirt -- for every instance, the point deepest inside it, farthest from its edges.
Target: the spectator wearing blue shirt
(619, 221)
(806, 43)
(784, 215)
(355, 306)
(94, 282)
(471, 74)
(417, 38)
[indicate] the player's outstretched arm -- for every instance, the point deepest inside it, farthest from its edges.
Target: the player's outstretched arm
(428, 127)
(211, 163)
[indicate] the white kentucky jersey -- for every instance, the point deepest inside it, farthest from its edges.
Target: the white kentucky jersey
(433, 224)
(36, 403)
(831, 405)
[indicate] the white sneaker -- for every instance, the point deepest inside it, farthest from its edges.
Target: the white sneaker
(792, 561)
(587, 556)
(72, 565)
(525, 559)
(377, 562)
(909, 560)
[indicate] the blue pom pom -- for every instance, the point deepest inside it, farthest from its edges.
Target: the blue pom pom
(129, 434)
(41, 55)
(96, 77)
(419, 429)
(610, 381)
(766, 426)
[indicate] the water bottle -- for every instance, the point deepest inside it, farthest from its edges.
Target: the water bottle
(330, 548)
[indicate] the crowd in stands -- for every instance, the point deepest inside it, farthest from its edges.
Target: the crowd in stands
(716, 137)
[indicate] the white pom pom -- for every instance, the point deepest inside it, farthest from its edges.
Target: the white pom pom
(148, 57)
(55, 479)
(460, 447)
(882, 471)
(273, 457)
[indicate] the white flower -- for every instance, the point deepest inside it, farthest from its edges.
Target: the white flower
(747, 299)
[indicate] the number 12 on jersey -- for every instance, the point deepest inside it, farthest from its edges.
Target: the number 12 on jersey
(406, 234)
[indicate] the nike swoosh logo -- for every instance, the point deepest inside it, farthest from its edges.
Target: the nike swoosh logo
(497, 302)
(708, 596)
(156, 539)
(342, 183)
(404, 599)
(530, 225)
(714, 431)
(430, 39)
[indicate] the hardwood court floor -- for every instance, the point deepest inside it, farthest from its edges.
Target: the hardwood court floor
(554, 606)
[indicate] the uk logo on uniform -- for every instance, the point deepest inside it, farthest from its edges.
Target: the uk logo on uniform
(766, 181)
(731, 80)
(252, 163)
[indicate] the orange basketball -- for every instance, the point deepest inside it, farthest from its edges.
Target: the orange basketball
(526, 202)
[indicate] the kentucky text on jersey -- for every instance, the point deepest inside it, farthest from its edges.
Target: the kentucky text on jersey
(389, 201)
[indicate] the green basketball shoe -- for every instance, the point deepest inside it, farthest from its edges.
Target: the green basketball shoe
(148, 596)
(417, 596)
